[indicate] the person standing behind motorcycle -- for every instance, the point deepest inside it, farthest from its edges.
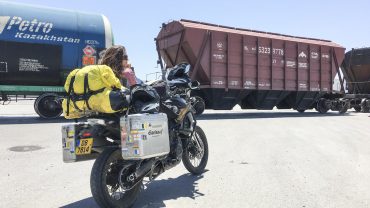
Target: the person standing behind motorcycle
(117, 59)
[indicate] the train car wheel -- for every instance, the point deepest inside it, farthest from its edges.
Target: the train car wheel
(48, 106)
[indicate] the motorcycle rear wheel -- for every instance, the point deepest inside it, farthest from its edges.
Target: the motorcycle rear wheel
(105, 180)
(195, 155)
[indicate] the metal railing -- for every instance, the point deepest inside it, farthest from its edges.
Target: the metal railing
(156, 75)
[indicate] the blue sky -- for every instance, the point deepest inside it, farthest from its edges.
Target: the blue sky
(136, 23)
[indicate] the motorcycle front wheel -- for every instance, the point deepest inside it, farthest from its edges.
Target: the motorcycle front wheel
(195, 154)
(109, 180)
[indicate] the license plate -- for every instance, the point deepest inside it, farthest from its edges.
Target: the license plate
(84, 147)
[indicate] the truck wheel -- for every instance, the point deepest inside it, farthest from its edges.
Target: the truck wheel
(321, 106)
(301, 110)
(48, 106)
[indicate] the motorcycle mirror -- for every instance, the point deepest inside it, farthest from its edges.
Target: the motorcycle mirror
(194, 84)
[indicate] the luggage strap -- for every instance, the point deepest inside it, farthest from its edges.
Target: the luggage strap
(70, 92)
(86, 90)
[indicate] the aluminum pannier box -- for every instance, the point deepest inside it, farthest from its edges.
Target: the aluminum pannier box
(76, 146)
(144, 136)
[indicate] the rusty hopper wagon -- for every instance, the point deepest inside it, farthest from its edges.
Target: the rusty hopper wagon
(254, 69)
(356, 71)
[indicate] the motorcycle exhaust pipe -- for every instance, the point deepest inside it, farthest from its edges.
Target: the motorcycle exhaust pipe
(144, 168)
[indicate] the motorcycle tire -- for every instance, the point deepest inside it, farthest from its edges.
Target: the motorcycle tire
(98, 180)
(191, 151)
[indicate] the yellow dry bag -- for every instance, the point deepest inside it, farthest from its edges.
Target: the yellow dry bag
(93, 88)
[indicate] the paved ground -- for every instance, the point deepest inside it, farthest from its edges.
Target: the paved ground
(257, 159)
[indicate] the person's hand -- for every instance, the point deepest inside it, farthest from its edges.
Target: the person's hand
(129, 75)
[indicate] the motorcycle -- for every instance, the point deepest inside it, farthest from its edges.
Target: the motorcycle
(153, 135)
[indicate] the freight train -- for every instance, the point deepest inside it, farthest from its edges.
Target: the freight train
(39, 46)
(257, 70)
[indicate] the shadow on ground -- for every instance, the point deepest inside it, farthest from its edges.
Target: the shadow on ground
(257, 115)
(88, 202)
(157, 192)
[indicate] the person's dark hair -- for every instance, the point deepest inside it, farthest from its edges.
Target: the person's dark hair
(113, 58)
